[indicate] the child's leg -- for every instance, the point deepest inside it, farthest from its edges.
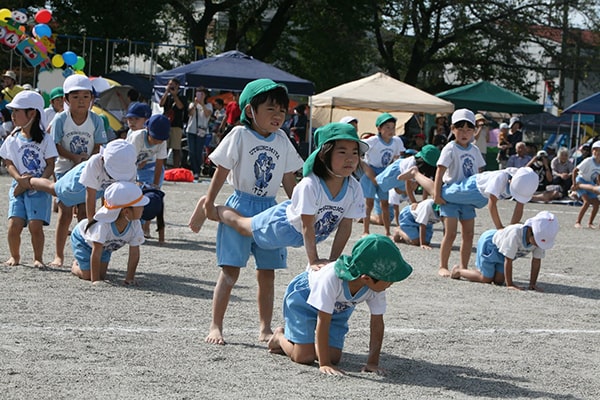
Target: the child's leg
(227, 279)
(198, 217)
(586, 203)
(466, 245)
(75, 270)
(37, 242)
(450, 228)
(43, 185)
(367, 220)
(299, 353)
(265, 298)
(396, 208)
(15, 227)
(472, 275)
(594, 203)
(229, 216)
(402, 237)
(385, 216)
(427, 184)
(146, 229)
(65, 215)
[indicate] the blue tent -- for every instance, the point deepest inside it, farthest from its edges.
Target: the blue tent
(589, 105)
(141, 84)
(231, 70)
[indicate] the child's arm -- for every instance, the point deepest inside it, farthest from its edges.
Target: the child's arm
(375, 342)
(90, 202)
(493, 208)
(76, 158)
(437, 191)
(132, 263)
(342, 235)
(310, 243)
(508, 262)
(216, 183)
(369, 172)
(536, 264)
(289, 182)
(588, 187)
(49, 170)
(574, 178)
(517, 213)
(158, 170)
(322, 345)
(95, 262)
(423, 237)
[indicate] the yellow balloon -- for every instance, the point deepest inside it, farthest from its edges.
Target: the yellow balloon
(57, 61)
(5, 14)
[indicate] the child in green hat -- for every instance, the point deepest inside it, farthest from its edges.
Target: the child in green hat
(384, 148)
(256, 158)
(318, 304)
(327, 199)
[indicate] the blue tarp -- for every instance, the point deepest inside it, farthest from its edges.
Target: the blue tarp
(231, 70)
(589, 105)
(141, 84)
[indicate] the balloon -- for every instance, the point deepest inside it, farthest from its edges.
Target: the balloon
(69, 57)
(5, 14)
(43, 16)
(57, 61)
(42, 30)
(80, 64)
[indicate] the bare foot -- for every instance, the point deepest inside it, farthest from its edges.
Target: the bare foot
(591, 226)
(397, 237)
(455, 274)
(265, 335)
(11, 262)
(443, 271)
(273, 343)
(577, 225)
(39, 264)
(215, 336)
(198, 216)
(365, 234)
(57, 263)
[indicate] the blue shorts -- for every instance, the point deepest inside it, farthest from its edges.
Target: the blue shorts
(371, 191)
(462, 212)
(301, 318)
(68, 189)
(234, 249)
(146, 174)
(464, 192)
(411, 227)
(272, 230)
(82, 252)
(388, 178)
(489, 260)
(31, 205)
(580, 193)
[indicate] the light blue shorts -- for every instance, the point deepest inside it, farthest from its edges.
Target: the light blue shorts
(371, 191)
(146, 174)
(68, 189)
(82, 252)
(272, 230)
(411, 227)
(489, 260)
(31, 205)
(234, 249)
(580, 193)
(464, 192)
(301, 318)
(388, 178)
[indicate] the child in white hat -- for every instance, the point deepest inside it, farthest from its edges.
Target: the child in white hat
(496, 250)
(28, 152)
(116, 224)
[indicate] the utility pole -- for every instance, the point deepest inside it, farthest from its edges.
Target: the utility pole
(563, 55)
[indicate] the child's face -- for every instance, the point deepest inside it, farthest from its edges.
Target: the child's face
(267, 117)
(135, 213)
(58, 104)
(79, 101)
(21, 117)
(464, 131)
(387, 130)
(136, 123)
(596, 154)
(154, 141)
(344, 157)
(380, 286)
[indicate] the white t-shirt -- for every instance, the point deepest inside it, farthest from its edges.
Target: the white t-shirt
(460, 162)
(93, 174)
(495, 183)
(109, 236)
(311, 197)
(200, 118)
(589, 170)
(424, 214)
(145, 151)
(330, 294)
(28, 156)
(511, 243)
(257, 164)
(382, 154)
(75, 138)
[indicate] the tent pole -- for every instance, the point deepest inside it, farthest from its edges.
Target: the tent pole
(309, 135)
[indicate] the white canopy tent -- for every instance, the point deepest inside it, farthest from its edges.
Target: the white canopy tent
(368, 97)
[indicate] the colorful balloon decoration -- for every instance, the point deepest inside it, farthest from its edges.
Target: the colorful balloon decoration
(57, 61)
(80, 64)
(43, 16)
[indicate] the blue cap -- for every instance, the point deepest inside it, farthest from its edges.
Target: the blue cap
(139, 110)
(158, 127)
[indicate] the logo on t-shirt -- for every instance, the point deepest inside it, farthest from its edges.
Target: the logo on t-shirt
(262, 170)
(79, 144)
(468, 167)
(386, 158)
(31, 161)
(326, 224)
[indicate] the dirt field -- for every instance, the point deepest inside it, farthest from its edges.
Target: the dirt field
(62, 338)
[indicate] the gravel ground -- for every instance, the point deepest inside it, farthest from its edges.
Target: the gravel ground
(62, 338)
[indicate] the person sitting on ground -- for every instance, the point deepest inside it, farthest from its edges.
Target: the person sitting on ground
(540, 164)
(520, 158)
(497, 249)
(318, 304)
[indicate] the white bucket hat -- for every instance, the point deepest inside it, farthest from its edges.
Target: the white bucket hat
(117, 196)
(523, 184)
(347, 119)
(463, 114)
(545, 228)
(119, 160)
(27, 99)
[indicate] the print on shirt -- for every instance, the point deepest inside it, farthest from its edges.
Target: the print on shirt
(31, 161)
(326, 224)
(262, 170)
(113, 245)
(79, 144)
(341, 307)
(468, 165)
(386, 158)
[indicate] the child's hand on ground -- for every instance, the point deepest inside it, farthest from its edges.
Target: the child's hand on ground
(514, 287)
(374, 368)
(330, 370)
(130, 282)
(426, 247)
(536, 288)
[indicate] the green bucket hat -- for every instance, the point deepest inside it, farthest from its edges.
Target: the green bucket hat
(383, 118)
(252, 89)
(327, 133)
(56, 92)
(374, 255)
(430, 154)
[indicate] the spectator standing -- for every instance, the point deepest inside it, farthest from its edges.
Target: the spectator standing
(10, 85)
(441, 128)
(199, 112)
(232, 115)
(503, 146)
(515, 135)
(481, 134)
(175, 109)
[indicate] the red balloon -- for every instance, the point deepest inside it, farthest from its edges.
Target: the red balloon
(43, 16)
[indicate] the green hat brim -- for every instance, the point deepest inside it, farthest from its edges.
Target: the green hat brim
(430, 154)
